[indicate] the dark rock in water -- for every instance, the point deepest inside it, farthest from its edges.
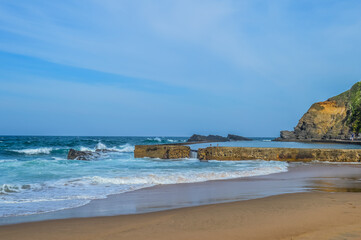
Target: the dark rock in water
(209, 138)
(216, 138)
(232, 137)
(81, 155)
(105, 150)
(288, 135)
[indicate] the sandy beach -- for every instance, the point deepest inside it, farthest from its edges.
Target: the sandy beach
(289, 216)
(325, 205)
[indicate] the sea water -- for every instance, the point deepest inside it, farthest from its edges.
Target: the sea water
(36, 177)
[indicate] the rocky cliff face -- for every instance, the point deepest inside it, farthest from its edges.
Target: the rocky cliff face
(336, 118)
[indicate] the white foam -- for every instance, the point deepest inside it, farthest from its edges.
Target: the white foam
(122, 148)
(76, 191)
(187, 177)
(34, 151)
(14, 188)
(100, 146)
(126, 148)
(84, 149)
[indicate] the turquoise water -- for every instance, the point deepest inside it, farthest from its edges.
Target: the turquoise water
(36, 177)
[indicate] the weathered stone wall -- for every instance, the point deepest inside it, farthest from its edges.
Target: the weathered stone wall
(162, 151)
(279, 154)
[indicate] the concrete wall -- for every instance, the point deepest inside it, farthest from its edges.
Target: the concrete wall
(279, 154)
(162, 151)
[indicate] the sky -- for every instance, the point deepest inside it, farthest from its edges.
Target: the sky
(172, 68)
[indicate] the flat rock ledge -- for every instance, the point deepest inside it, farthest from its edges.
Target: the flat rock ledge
(279, 154)
(249, 153)
(162, 151)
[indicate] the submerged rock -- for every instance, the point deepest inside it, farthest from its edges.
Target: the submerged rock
(81, 155)
(106, 150)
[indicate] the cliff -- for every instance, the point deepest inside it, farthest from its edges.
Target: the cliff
(336, 118)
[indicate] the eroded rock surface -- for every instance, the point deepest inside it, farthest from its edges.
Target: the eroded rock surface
(338, 118)
(279, 154)
(162, 151)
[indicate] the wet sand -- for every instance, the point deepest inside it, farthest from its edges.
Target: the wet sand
(330, 210)
(289, 216)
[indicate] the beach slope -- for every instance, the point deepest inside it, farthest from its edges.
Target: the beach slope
(315, 215)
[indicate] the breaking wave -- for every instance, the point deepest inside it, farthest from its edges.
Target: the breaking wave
(34, 151)
(127, 148)
(31, 198)
(162, 140)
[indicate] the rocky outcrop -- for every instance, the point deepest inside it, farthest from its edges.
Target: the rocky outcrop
(87, 155)
(334, 119)
(232, 137)
(209, 138)
(162, 151)
(216, 138)
(81, 155)
(279, 154)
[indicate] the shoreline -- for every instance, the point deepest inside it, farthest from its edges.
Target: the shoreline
(300, 177)
(312, 215)
(331, 141)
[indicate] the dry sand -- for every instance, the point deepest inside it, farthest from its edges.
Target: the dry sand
(315, 215)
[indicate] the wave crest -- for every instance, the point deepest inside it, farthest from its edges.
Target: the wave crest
(34, 151)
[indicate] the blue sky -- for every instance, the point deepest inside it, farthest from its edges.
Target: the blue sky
(172, 68)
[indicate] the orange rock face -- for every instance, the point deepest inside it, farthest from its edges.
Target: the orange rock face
(324, 120)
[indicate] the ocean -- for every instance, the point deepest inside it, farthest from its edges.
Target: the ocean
(36, 177)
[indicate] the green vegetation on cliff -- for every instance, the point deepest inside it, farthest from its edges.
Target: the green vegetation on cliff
(352, 99)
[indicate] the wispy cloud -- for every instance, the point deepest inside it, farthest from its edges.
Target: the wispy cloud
(251, 54)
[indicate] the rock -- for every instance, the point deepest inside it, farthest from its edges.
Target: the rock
(105, 150)
(81, 155)
(216, 138)
(162, 151)
(288, 135)
(209, 138)
(279, 154)
(334, 119)
(232, 137)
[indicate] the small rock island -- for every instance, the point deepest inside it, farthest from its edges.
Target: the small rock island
(216, 138)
